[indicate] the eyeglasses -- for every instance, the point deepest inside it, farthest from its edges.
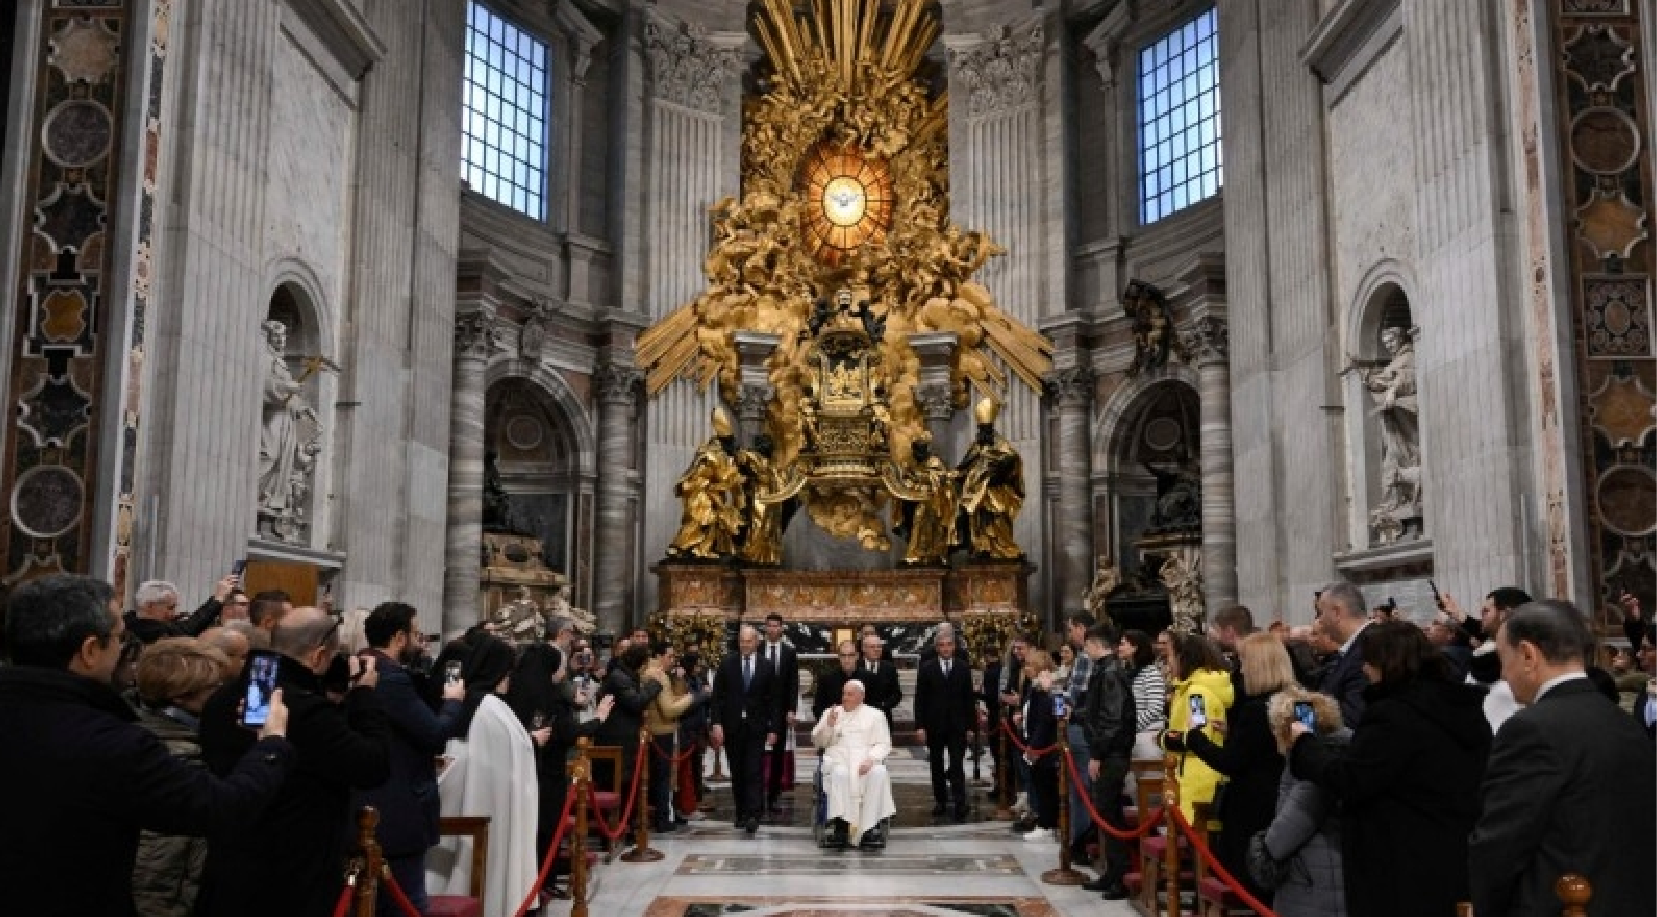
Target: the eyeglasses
(848, 655)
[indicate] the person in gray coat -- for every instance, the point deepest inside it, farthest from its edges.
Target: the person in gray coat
(1304, 837)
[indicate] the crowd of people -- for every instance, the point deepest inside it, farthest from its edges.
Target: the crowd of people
(1360, 765)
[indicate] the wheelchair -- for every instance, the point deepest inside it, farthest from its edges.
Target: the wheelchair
(873, 838)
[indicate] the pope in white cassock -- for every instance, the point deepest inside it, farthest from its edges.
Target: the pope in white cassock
(855, 741)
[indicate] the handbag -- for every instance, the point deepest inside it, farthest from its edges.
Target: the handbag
(1267, 870)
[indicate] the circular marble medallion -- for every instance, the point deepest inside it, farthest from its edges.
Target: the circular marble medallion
(76, 133)
(1162, 434)
(1604, 141)
(524, 432)
(1625, 495)
(46, 501)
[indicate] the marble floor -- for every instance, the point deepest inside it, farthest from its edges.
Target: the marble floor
(939, 869)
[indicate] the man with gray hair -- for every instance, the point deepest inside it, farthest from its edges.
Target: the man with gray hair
(157, 612)
(1568, 786)
(1343, 614)
(301, 836)
(855, 741)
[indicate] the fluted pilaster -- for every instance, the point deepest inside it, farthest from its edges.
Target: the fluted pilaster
(615, 388)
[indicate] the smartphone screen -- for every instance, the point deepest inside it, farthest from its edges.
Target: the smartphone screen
(1306, 715)
(451, 672)
(261, 682)
(1199, 711)
(1058, 706)
(239, 567)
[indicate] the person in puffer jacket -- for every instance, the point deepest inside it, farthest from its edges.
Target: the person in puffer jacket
(176, 675)
(1305, 835)
(1198, 670)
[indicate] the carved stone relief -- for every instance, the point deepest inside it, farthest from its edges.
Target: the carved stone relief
(686, 68)
(1002, 73)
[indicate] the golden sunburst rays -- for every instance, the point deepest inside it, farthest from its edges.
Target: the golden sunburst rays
(853, 41)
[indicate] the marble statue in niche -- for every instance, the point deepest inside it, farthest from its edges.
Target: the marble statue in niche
(1391, 387)
(1178, 494)
(290, 440)
(1153, 327)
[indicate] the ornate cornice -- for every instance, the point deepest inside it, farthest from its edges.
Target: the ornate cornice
(1206, 339)
(616, 383)
(1071, 387)
(476, 335)
(1001, 72)
(686, 67)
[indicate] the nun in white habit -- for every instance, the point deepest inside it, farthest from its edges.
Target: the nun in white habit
(855, 740)
(492, 773)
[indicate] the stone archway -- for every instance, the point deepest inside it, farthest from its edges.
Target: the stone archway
(1154, 420)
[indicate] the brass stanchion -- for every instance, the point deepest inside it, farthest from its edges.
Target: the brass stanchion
(1170, 858)
(1003, 773)
(1573, 890)
(582, 775)
(1064, 875)
(368, 882)
(641, 852)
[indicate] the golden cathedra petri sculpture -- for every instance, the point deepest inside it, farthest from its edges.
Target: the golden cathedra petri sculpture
(842, 247)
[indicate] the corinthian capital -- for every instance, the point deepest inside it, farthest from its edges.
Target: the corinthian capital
(1206, 340)
(616, 383)
(1071, 387)
(476, 335)
(686, 67)
(1001, 72)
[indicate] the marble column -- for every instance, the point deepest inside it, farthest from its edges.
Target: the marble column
(1207, 346)
(615, 389)
(474, 341)
(1072, 391)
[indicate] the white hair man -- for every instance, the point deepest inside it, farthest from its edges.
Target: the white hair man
(855, 741)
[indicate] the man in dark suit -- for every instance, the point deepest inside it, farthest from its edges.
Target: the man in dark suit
(745, 713)
(1342, 613)
(302, 835)
(1568, 788)
(1645, 703)
(945, 714)
(785, 665)
(879, 676)
(832, 683)
(408, 803)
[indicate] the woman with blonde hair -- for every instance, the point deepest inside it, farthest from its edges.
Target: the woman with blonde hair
(1040, 730)
(176, 676)
(1250, 759)
(1201, 682)
(1299, 854)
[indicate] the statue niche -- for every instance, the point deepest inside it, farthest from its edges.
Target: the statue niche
(1391, 388)
(290, 440)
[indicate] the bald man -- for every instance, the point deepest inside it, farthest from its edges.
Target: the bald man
(301, 836)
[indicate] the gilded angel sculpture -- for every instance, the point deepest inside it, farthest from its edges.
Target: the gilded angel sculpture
(714, 498)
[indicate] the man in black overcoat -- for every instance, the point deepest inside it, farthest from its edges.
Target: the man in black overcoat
(945, 717)
(1569, 785)
(746, 721)
(879, 676)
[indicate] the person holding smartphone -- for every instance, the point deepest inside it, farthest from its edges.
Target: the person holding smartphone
(408, 803)
(1038, 720)
(1202, 692)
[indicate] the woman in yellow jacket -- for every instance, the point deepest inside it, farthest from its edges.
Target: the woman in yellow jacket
(1198, 671)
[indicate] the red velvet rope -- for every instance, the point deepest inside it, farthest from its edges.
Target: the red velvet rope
(1032, 752)
(1219, 871)
(408, 908)
(675, 760)
(552, 853)
(1147, 822)
(626, 813)
(343, 908)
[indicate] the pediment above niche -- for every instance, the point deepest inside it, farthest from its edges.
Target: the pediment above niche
(338, 37)
(1348, 39)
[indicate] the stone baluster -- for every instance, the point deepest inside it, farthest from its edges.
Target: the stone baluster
(615, 387)
(1207, 345)
(1072, 391)
(475, 341)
